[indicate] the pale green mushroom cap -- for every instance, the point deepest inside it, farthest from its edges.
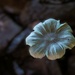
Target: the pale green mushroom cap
(50, 39)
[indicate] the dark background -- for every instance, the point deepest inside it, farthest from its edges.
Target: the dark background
(17, 18)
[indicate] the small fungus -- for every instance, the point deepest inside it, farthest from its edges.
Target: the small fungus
(51, 39)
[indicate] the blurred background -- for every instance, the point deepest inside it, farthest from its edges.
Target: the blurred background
(17, 19)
